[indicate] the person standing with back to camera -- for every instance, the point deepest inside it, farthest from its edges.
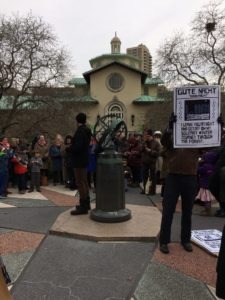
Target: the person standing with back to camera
(79, 149)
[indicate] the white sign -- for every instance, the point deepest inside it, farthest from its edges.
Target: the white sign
(209, 239)
(197, 109)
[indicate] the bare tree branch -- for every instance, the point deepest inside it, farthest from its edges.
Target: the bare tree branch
(199, 57)
(30, 57)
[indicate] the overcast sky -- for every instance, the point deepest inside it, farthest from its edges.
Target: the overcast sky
(86, 27)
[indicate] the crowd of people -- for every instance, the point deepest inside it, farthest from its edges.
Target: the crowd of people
(42, 161)
(27, 166)
(195, 175)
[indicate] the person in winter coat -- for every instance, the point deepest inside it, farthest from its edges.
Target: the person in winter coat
(220, 286)
(79, 146)
(42, 147)
(35, 164)
(206, 168)
(68, 170)
(150, 152)
(134, 160)
(20, 161)
(217, 180)
(55, 154)
(180, 181)
(3, 171)
(8, 154)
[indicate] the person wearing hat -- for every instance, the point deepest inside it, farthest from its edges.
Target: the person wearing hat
(79, 150)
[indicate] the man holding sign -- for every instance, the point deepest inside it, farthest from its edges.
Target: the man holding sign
(193, 126)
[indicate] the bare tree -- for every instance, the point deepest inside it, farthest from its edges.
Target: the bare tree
(199, 57)
(30, 58)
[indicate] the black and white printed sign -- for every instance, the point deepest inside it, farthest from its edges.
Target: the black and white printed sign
(208, 239)
(197, 109)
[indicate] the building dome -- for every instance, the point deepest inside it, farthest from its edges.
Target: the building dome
(115, 39)
(115, 44)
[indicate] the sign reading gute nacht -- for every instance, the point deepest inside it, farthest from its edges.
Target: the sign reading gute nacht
(197, 109)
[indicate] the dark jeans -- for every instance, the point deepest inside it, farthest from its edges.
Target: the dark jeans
(71, 177)
(136, 174)
(3, 183)
(175, 186)
(82, 186)
(35, 181)
(222, 189)
(57, 176)
(149, 171)
(22, 181)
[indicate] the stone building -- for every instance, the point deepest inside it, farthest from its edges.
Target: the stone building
(117, 84)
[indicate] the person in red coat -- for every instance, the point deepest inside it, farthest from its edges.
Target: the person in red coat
(20, 162)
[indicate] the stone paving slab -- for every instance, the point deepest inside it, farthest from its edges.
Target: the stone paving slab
(60, 199)
(60, 189)
(33, 195)
(15, 202)
(162, 283)
(33, 219)
(16, 262)
(137, 199)
(143, 226)
(193, 264)
(66, 269)
(4, 205)
(19, 241)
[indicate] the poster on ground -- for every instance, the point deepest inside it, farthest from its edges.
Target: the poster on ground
(197, 109)
(208, 239)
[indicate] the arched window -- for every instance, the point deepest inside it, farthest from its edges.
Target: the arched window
(116, 110)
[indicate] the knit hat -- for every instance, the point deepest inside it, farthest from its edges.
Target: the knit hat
(157, 132)
(81, 118)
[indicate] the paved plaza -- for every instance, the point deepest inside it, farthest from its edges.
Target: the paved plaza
(52, 255)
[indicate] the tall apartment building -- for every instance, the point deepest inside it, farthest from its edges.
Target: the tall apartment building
(142, 52)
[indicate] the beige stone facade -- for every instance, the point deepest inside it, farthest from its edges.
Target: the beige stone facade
(115, 84)
(120, 86)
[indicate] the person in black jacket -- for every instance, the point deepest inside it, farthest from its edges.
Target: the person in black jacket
(220, 283)
(79, 146)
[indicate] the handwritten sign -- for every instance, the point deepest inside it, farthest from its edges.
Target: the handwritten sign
(209, 239)
(197, 109)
